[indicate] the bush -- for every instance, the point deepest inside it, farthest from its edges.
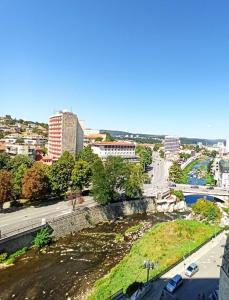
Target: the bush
(207, 210)
(42, 238)
(11, 259)
(3, 257)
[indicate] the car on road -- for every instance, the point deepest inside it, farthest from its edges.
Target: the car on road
(191, 270)
(172, 185)
(210, 188)
(174, 283)
(194, 187)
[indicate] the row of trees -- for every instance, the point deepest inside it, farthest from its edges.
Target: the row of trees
(20, 177)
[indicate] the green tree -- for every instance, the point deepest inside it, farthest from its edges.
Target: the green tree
(175, 173)
(162, 154)
(19, 160)
(108, 179)
(87, 155)
(6, 188)
(17, 179)
(4, 161)
(156, 147)
(109, 137)
(67, 160)
(207, 210)
(134, 182)
(145, 155)
(59, 178)
(35, 184)
(81, 175)
(179, 194)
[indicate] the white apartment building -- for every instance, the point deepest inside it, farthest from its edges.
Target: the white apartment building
(15, 149)
(65, 134)
(172, 145)
(125, 150)
(26, 139)
(222, 174)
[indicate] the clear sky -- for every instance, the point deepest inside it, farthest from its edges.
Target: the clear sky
(137, 65)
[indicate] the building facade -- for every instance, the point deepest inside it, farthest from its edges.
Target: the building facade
(172, 145)
(224, 274)
(65, 134)
(125, 150)
(222, 174)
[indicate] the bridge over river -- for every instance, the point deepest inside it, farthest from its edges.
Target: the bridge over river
(203, 190)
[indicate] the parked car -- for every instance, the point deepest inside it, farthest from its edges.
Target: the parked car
(194, 187)
(191, 270)
(174, 283)
(172, 185)
(210, 187)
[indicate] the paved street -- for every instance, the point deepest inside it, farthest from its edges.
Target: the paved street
(10, 221)
(159, 176)
(209, 259)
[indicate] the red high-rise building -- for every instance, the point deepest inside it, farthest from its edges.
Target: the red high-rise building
(65, 134)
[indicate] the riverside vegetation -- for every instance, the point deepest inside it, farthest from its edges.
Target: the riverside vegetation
(165, 243)
(22, 178)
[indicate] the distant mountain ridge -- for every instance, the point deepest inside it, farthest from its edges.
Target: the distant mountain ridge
(155, 138)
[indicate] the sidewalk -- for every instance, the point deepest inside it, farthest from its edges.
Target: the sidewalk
(158, 285)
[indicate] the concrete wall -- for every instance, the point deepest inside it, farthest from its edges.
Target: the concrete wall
(20, 240)
(88, 217)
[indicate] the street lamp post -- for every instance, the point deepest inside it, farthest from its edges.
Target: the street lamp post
(148, 265)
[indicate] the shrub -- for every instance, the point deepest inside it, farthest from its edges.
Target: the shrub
(119, 237)
(11, 259)
(42, 238)
(3, 257)
(207, 210)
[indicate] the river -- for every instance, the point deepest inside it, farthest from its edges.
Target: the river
(68, 268)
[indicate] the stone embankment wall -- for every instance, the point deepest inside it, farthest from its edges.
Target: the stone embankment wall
(88, 217)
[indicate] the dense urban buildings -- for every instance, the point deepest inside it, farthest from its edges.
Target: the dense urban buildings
(223, 174)
(65, 134)
(125, 150)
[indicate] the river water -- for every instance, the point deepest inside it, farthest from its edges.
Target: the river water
(68, 268)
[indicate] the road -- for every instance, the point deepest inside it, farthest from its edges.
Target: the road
(158, 174)
(209, 259)
(10, 221)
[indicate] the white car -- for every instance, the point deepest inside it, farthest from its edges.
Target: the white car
(191, 270)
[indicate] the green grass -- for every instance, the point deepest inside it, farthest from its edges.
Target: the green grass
(119, 237)
(133, 229)
(187, 170)
(165, 243)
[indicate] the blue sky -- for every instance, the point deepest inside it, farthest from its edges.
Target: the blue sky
(142, 66)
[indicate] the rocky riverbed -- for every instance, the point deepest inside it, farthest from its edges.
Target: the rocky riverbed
(68, 268)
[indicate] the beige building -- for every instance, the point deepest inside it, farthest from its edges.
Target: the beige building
(65, 134)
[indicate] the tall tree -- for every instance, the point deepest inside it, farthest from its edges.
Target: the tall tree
(17, 179)
(81, 175)
(59, 178)
(6, 188)
(35, 182)
(87, 155)
(109, 137)
(175, 172)
(4, 161)
(145, 155)
(108, 179)
(19, 160)
(133, 185)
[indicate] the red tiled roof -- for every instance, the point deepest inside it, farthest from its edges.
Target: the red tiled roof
(114, 144)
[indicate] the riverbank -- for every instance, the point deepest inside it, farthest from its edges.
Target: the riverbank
(165, 243)
(201, 166)
(70, 267)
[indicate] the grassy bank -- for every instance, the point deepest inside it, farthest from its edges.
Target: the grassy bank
(187, 170)
(165, 243)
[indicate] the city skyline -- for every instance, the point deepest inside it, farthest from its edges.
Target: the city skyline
(157, 68)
